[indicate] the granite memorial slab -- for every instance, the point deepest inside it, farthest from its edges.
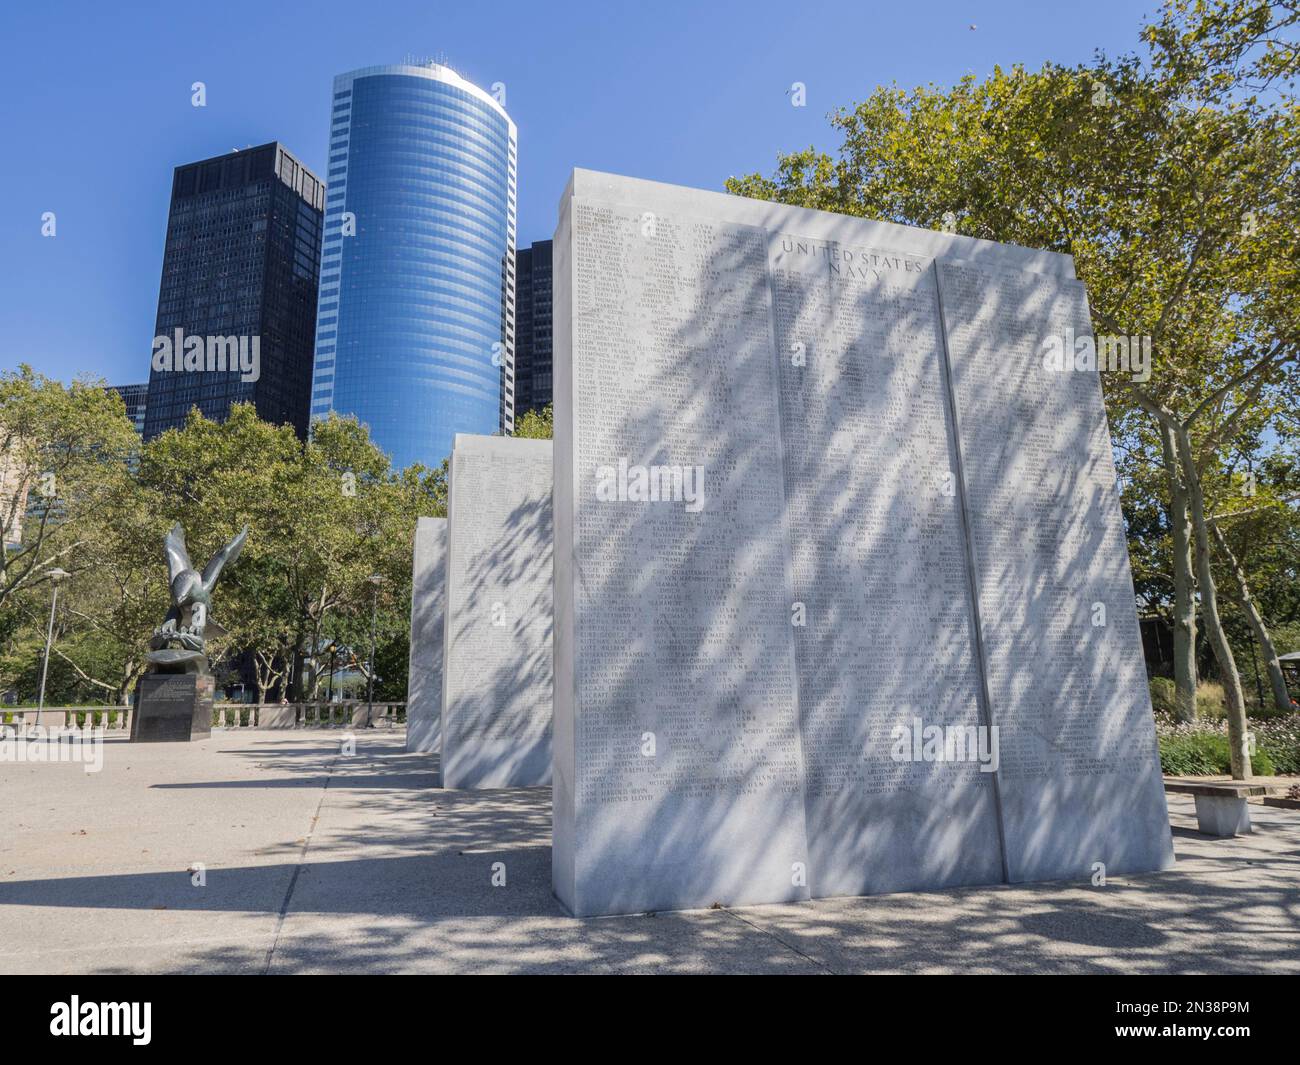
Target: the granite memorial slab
(496, 713)
(1080, 779)
(428, 624)
(783, 659)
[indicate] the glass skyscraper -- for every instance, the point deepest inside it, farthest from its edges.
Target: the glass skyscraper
(415, 330)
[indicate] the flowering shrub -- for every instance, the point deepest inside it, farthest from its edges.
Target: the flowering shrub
(1201, 748)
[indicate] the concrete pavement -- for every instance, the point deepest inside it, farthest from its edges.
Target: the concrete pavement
(318, 862)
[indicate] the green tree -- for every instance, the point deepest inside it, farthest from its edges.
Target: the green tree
(63, 465)
(536, 424)
(64, 476)
(326, 516)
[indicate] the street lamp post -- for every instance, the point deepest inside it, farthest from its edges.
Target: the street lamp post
(55, 576)
(376, 580)
(330, 696)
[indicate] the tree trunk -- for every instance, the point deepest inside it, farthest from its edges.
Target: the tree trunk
(264, 673)
(1281, 697)
(293, 672)
(1180, 523)
(299, 656)
(123, 695)
(1210, 610)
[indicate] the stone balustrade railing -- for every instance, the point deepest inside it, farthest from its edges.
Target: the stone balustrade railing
(350, 714)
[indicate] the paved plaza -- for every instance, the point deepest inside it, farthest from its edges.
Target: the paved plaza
(319, 862)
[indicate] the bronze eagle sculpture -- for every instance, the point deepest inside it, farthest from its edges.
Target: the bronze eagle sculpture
(178, 643)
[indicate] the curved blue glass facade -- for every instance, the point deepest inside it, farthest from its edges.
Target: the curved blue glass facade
(414, 329)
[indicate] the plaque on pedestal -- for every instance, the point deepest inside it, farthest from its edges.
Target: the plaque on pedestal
(172, 707)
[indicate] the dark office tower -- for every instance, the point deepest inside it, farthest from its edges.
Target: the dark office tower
(533, 327)
(237, 304)
(135, 397)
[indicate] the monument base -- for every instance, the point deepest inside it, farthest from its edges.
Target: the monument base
(172, 707)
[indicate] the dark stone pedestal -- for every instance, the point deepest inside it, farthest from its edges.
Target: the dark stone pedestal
(172, 707)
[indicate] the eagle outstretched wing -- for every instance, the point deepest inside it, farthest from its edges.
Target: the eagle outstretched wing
(226, 555)
(178, 559)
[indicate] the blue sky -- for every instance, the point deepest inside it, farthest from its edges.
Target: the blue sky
(98, 111)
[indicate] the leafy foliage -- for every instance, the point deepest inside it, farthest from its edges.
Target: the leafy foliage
(1201, 754)
(536, 424)
(327, 516)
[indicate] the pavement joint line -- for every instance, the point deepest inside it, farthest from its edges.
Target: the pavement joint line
(302, 862)
(772, 935)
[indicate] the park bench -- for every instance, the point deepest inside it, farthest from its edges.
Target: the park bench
(1221, 808)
